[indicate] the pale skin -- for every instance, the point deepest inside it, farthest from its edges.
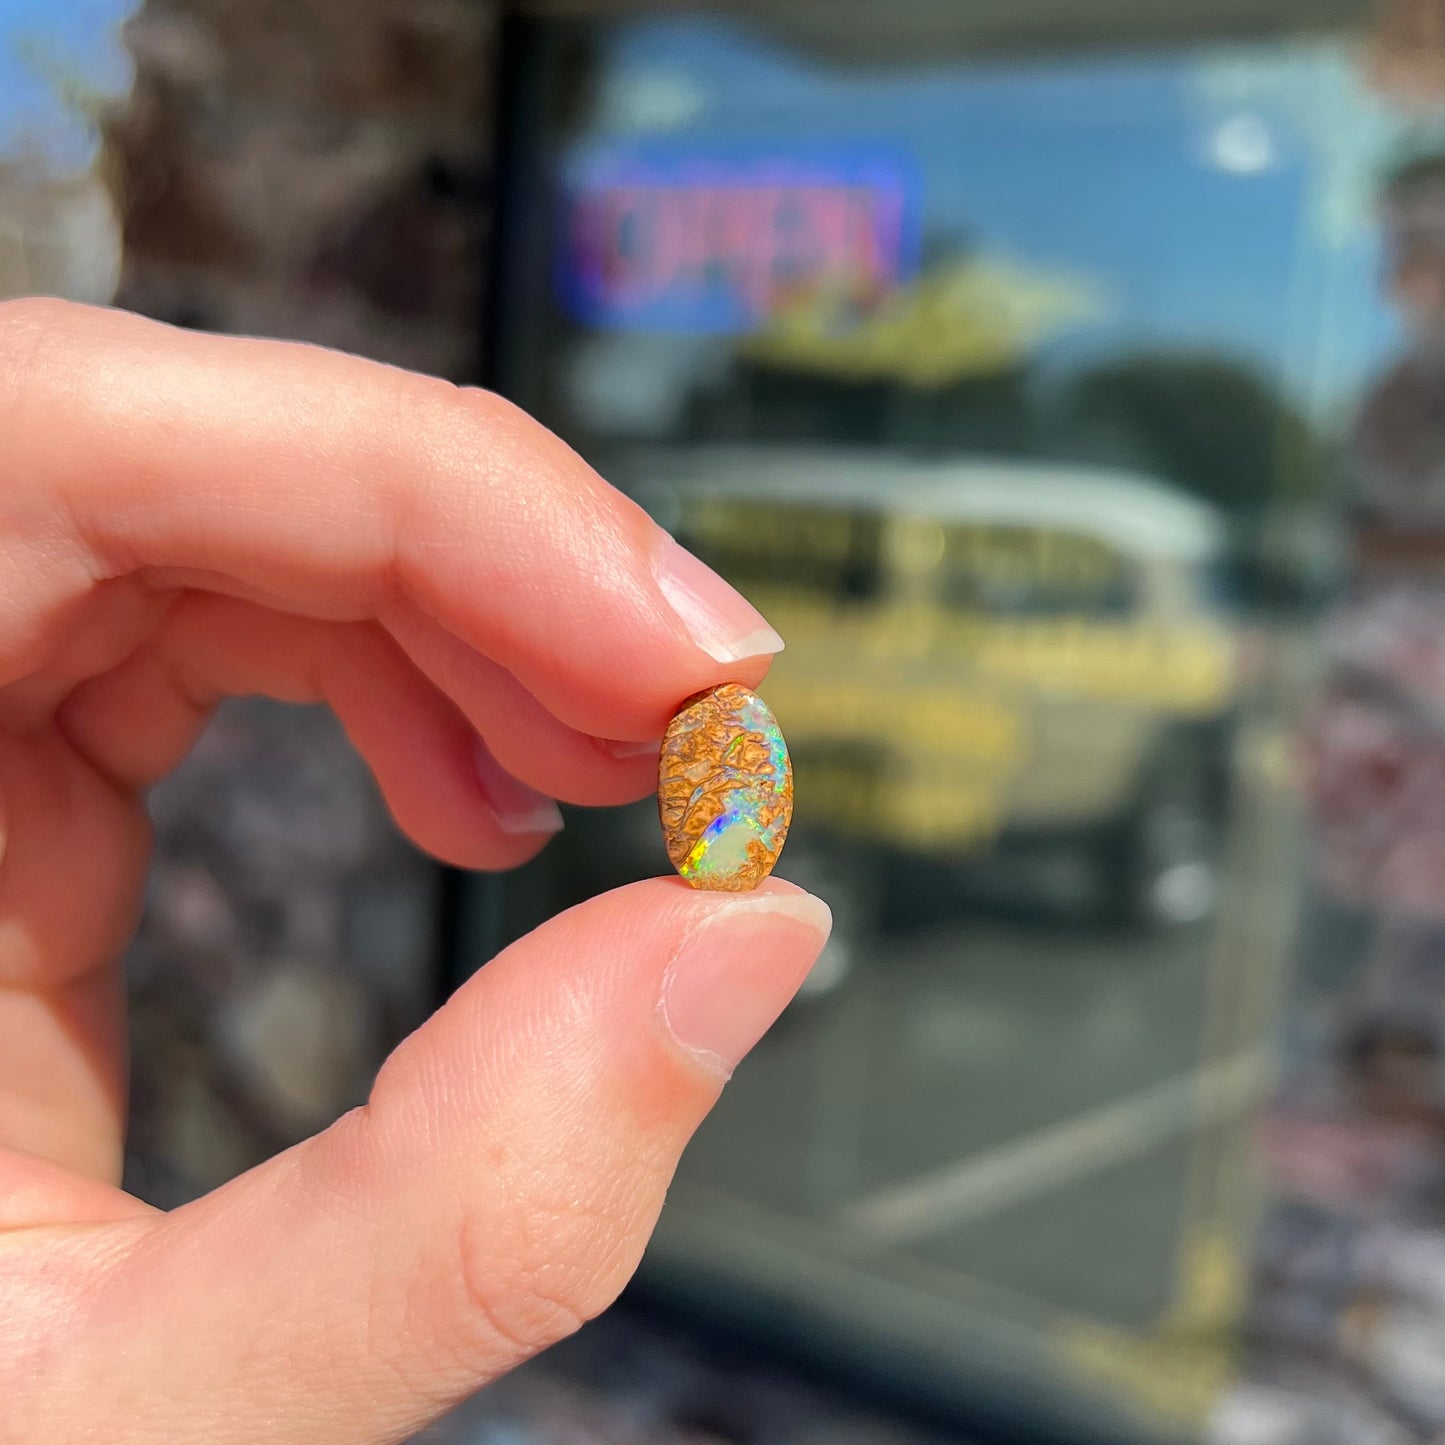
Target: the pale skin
(184, 518)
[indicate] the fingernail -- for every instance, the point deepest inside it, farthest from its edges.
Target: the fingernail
(717, 616)
(624, 752)
(516, 807)
(738, 969)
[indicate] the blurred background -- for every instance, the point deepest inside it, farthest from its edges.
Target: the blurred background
(1065, 379)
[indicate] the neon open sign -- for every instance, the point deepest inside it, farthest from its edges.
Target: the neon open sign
(682, 239)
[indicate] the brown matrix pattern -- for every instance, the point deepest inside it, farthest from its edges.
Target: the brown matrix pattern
(712, 761)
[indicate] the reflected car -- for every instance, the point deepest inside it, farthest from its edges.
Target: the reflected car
(1026, 670)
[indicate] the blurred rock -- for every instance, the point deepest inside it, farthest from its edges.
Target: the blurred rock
(303, 1042)
(285, 947)
(201, 1130)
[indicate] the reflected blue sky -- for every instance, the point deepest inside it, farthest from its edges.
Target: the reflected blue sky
(78, 37)
(1109, 169)
(1190, 186)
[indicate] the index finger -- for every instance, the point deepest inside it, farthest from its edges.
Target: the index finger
(339, 488)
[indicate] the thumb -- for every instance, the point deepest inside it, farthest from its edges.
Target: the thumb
(497, 1190)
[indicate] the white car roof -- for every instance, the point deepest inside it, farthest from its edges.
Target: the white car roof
(1129, 509)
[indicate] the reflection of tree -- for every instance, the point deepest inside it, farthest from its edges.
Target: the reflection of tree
(965, 316)
(1219, 429)
(940, 362)
(1211, 425)
(762, 402)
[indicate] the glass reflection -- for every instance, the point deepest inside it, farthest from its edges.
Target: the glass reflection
(1132, 983)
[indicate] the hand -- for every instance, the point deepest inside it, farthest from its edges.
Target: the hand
(182, 518)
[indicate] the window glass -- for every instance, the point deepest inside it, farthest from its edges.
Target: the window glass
(1071, 412)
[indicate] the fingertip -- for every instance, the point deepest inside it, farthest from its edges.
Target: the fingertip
(788, 897)
(625, 752)
(738, 969)
(517, 809)
(719, 620)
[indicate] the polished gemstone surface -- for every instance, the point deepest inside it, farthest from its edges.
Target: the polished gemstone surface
(724, 789)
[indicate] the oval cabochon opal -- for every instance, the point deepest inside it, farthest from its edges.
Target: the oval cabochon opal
(724, 789)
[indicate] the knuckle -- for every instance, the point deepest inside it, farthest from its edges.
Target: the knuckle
(514, 1300)
(520, 1286)
(26, 324)
(23, 314)
(477, 406)
(496, 435)
(46, 1283)
(507, 435)
(454, 409)
(27, 1352)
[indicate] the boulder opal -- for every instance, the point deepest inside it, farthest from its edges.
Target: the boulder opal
(724, 789)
